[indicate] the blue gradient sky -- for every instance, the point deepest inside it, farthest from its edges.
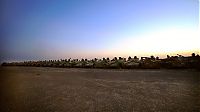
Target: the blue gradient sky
(54, 29)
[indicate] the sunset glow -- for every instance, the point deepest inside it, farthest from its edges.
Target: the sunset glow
(169, 41)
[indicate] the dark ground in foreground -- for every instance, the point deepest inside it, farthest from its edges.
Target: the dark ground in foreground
(32, 89)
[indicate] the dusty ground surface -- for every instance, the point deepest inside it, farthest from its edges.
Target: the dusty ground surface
(32, 89)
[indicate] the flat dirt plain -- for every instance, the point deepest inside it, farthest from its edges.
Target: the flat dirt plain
(37, 89)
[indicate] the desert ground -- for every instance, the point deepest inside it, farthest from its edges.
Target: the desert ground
(43, 89)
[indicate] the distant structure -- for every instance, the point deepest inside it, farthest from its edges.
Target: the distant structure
(151, 62)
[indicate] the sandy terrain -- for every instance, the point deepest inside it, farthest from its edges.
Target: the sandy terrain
(35, 89)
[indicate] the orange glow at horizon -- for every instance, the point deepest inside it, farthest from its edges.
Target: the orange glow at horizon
(171, 41)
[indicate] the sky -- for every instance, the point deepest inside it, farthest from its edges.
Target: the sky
(55, 29)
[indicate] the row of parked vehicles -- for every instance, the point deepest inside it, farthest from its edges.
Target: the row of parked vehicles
(145, 62)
